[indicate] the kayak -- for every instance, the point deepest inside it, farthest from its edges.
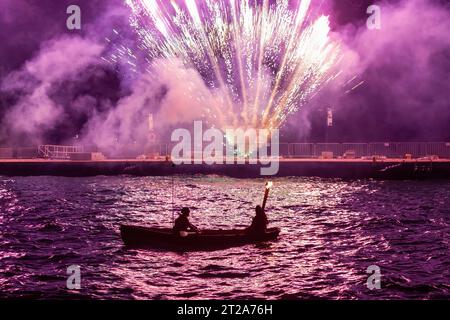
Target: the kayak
(166, 239)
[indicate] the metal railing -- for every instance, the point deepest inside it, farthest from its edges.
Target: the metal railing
(58, 152)
(286, 150)
(358, 150)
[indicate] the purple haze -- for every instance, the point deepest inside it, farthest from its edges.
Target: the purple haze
(55, 86)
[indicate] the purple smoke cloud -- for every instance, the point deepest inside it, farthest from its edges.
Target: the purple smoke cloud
(405, 67)
(406, 70)
(60, 60)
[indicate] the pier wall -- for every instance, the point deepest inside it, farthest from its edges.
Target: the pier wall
(346, 169)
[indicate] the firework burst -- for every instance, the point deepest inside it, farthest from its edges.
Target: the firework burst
(263, 61)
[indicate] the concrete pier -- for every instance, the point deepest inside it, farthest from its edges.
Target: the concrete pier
(333, 168)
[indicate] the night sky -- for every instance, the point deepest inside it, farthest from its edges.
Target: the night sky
(25, 24)
(405, 95)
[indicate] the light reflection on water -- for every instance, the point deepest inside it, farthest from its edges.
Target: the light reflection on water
(332, 230)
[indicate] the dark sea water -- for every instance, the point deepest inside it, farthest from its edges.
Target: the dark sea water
(332, 231)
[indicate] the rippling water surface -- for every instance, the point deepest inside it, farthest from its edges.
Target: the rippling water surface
(332, 230)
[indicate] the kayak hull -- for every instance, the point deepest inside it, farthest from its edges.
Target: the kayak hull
(166, 239)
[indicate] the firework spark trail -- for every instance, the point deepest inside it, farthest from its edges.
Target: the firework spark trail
(262, 60)
(300, 15)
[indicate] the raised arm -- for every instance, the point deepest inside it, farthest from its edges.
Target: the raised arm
(191, 226)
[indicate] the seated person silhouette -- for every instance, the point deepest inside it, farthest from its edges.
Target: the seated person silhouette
(182, 224)
(259, 223)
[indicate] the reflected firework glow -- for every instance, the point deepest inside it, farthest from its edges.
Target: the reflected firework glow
(332, 230)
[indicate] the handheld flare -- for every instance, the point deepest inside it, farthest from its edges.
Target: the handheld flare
(269, 185)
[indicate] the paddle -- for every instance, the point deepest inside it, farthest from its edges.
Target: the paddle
(269, 185)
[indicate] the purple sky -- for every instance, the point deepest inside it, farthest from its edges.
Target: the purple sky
(405, 66)
(25, 24)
